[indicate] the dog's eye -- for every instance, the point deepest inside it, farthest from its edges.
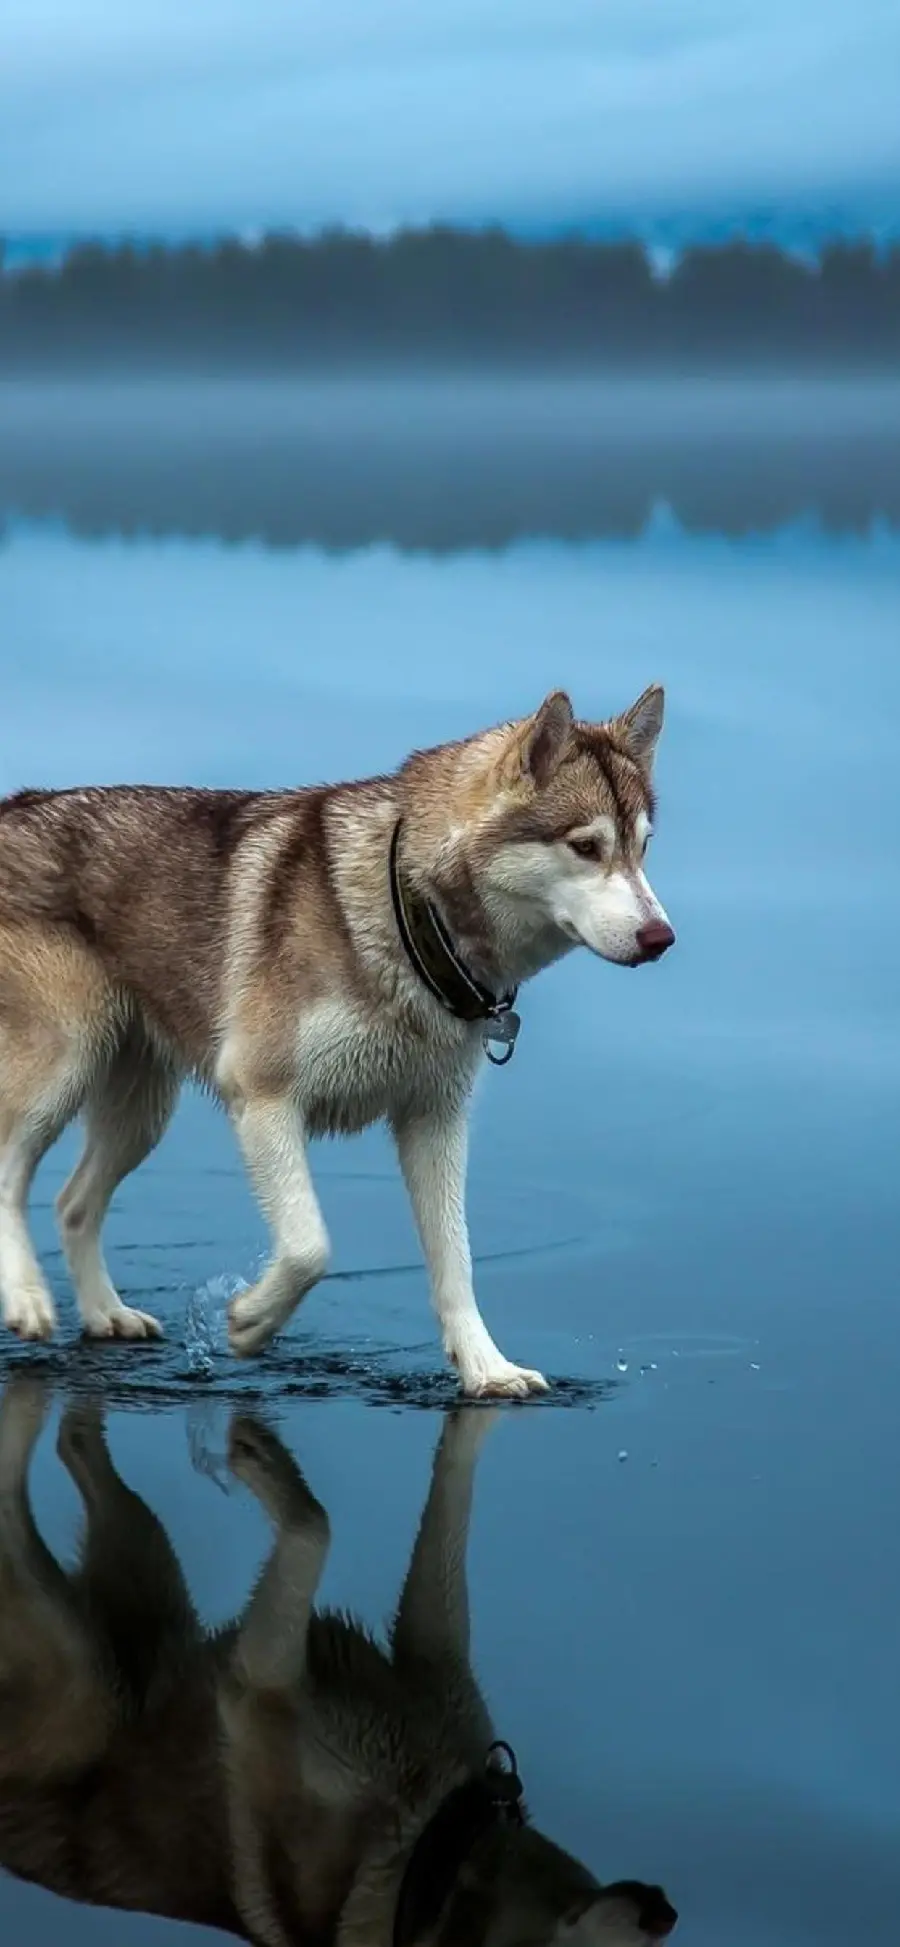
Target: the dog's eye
(645, 845)
(586, 848)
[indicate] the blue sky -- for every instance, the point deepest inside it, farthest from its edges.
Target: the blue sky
(192, 114)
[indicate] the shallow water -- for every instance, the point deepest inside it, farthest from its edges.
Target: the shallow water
(685, 1578)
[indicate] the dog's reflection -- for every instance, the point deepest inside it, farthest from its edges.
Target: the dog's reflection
(284, 1779)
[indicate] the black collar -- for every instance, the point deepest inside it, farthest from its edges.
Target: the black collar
(492, 1797)
(432, 953)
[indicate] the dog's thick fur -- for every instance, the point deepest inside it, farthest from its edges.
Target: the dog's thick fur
(248, 939)
(272, 1779)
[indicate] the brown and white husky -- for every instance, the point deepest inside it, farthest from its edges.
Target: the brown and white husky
(285, 1779)
(321, 959)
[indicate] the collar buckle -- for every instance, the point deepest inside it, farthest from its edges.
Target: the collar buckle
(504, 1783)
(501, 1030)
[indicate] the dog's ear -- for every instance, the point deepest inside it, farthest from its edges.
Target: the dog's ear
(638, 729)
(545, 737)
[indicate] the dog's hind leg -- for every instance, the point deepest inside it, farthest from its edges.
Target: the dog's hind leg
(125, 1115)
(56, 1022)
(28, 1307)
(129, 1577)
(24, 1405)
(56, 1704)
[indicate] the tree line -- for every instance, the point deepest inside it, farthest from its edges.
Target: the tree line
(443, 296)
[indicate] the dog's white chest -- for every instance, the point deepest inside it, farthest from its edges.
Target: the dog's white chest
(354, 1069)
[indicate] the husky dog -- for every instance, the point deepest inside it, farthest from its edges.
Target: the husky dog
(320, 959)
(285, 1779)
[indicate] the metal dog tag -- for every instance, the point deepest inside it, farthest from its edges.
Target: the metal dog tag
(501, 1030)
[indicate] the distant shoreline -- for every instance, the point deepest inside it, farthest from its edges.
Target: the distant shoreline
(450, 463)
(444, 299)
(108, 367)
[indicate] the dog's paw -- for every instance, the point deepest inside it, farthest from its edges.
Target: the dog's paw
(81, 1441)
(252, 1322)
(121, 1322)
(31, 1313)
(258, 1460)
(255, 1453)
(505, 1381)
(24, 1405)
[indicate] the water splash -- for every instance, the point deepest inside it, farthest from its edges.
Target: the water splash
(207, 1441)
(204, 1326)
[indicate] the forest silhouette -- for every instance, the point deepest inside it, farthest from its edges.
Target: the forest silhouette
(443, 297)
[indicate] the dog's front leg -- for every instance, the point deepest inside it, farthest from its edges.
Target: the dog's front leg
(432, 1149)
(430, 1636)
(272, 1137)
(270, 1649)
(432, 1622)
(268, 1740)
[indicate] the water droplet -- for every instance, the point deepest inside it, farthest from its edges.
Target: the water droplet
(753, 1366)
(623, 1455)
(621, 1364)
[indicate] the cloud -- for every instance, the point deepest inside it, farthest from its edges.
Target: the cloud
(250, 112)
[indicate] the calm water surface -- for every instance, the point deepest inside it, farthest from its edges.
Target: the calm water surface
(685, 1569)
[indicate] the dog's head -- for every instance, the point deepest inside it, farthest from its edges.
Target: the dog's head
(524, 1891)
(628, 1914)
(565, 844)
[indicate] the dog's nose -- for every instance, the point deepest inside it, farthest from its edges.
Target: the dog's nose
(657, 1912)
(654, 939)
